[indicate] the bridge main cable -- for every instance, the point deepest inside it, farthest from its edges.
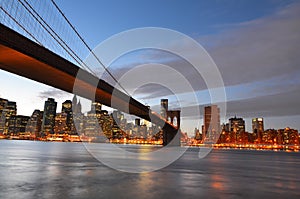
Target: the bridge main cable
(89, 48)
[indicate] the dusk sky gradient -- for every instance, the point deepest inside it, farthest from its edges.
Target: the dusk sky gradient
(255, 45)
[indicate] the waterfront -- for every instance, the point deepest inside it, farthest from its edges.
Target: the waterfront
(66, 170)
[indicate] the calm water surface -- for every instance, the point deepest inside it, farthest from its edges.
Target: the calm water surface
(66, 170)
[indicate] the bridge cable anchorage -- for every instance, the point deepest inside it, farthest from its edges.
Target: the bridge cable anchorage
(58, 39)
(88, 47)
(21, 26)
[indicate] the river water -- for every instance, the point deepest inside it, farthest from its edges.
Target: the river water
(67, 170)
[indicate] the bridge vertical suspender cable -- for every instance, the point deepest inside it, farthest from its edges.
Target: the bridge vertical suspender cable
(20, 25)
(64, 46)
(88, 47)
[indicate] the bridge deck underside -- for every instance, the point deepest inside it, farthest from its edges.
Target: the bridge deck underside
(23, 57)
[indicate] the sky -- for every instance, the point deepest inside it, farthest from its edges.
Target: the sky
(255, 45)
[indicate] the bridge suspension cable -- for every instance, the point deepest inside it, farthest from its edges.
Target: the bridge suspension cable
(89, 48)
(37, 23)
(20, 25)
(22, 14)
(50, 31)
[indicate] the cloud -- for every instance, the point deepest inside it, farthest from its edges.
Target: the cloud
(258, 60)
(276, 105)
(53, 93)
(258, 49)
(245, 52)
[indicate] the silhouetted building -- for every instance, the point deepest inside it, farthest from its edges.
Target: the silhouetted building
(137, 121)
(3, 104)
(96, 107)
(197, 136)
(92, 125)
(17, 124)
(164, 108)
(7, 109)
(117, 117)
(67, 108)
(106, 123)
(76, 107)
(143, 131)
(257, 125)
(78, 124)
(258, 128)
(225, 127)
(211, 122)
(34, 125)
(60, 123)
(289, 136)
(236, 125)
(49, 116)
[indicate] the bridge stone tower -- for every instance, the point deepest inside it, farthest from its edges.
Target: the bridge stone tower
(170, 135)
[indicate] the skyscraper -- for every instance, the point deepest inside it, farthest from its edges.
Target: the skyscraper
(7, 110)
(78, 117)
(35, 123)
(67, 108)
(258, 128)
(164, 108)
(60, 123)
(258, 125)
(76, 106)
(96, 107)
(49, 116)
(137, 121)
(93, 121)
(17, 124)
(236, 125)
(3, 103)
(211, 122)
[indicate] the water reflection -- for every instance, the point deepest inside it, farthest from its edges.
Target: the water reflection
(67, 170)
(218, 182)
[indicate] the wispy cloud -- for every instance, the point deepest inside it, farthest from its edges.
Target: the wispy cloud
(53, 93)
(262, 53)
(259, 49)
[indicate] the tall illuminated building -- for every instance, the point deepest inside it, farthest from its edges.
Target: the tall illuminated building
(211, 118)
(78, 117)
(49, 116)
(35, 123)
(67, 109)
(17, 124)
(66, 106)
(96, 107)
(3, 104)
(258, 128)
(7, 110)
(164, 108)
(93, 123)
(258, 125)
(60, 123)
(236, 125)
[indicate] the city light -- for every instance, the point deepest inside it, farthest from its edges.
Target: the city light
(70, 125)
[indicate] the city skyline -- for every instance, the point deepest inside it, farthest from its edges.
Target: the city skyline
(211, 116)
(149, 99)
(267, 72)
(71, 125)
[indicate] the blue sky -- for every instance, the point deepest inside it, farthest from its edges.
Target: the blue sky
(255, 44)
(98, 20)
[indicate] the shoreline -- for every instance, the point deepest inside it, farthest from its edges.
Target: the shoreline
(256, 147)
